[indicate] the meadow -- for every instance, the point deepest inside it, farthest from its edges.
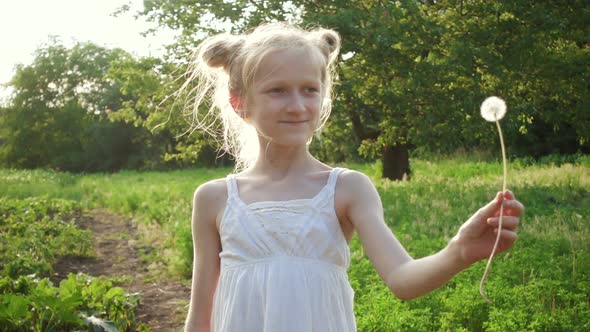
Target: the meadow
(542, 284)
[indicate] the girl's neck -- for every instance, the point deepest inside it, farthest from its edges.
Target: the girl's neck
(280, 161)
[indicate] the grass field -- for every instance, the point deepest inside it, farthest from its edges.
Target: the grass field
(542, 284)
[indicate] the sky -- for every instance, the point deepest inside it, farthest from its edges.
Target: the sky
(27, 24)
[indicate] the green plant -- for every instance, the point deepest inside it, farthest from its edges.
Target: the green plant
(79, 301)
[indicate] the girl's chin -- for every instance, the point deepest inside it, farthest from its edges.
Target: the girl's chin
(291, 141)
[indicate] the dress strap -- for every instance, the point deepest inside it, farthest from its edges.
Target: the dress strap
(232, 187)
(327, 193)
(333, 178)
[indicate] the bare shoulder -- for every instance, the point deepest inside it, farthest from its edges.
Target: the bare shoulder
(212, 191)
(355, 195)
(353, 184)
(209, 200)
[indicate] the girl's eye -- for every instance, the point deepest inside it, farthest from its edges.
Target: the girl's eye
(312, 90)
(276, 90)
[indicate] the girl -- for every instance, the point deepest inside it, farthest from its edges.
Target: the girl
(271, 242)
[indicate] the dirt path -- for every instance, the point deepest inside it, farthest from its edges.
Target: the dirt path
(163, 302)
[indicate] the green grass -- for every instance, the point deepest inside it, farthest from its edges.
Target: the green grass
(542, 284)
(160, 202)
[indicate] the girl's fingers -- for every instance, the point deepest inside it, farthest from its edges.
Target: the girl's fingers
(509, 195)
(508, 222)
(507, 236)
(512, 208)
(511, 205)
(490, 208)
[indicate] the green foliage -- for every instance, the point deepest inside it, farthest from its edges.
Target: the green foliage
(35, 232)
(542, 284)
(89, 108)
(30, 304)
(56, 115)
(85, 108)
(160, 200)
(415, 72)
(149, 103)
(412, 74)
(547, 260)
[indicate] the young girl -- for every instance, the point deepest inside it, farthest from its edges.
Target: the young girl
(271, 242)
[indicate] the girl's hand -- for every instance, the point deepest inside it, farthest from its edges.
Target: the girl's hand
(477, 236)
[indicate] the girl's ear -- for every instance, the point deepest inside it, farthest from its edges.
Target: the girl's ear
(235, 102)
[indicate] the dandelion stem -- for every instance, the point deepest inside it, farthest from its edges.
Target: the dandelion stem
(489, 264)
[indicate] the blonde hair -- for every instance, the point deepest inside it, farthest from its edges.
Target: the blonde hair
(226, 64)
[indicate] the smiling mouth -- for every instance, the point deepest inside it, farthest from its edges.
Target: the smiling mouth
(293, 122)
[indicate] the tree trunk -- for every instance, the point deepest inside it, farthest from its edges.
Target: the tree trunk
(396, 162)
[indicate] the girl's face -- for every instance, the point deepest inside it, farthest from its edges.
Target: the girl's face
(285, 99)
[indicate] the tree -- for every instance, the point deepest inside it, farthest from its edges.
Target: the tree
(416, 71)
(147, 87)
(533, 55)
(57, 115)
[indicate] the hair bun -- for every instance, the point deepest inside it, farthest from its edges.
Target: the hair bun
(330, 39)
(329, 42)
(220, 50)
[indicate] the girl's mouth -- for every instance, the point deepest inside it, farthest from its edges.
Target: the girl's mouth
(294, 122)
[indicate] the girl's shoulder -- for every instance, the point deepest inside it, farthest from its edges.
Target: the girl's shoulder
(351, 179)
(354, 194)
(211, 196)
(212, 190)
(353, 185)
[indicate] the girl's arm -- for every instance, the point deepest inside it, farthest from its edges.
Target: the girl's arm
(206, 245)
(409, 278)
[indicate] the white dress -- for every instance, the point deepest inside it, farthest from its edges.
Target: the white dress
(283, 266)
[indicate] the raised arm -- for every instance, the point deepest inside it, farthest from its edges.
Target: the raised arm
(207, 203)
(409, 278)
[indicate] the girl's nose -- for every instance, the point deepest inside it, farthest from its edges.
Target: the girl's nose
(296, 103)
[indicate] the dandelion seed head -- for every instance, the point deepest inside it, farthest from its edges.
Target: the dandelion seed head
(493, 109)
